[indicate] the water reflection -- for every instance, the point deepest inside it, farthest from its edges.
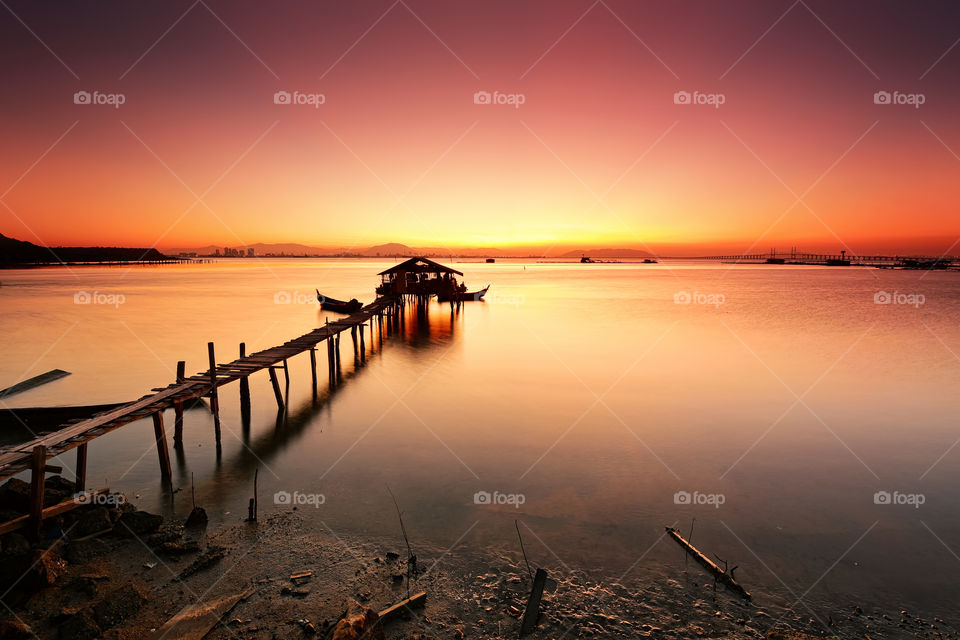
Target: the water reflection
(419, 328)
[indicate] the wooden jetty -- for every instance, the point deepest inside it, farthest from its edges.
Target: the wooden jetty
(33, 456)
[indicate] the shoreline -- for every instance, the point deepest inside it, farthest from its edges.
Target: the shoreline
(126, 580)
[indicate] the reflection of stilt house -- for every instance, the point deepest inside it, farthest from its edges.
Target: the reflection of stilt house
(419, 277)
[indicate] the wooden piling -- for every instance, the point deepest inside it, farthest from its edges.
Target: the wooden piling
(38, 476)
(214, 395)
(80, 482)
(313, 368)
(353, 336)
(276, 387)
(178, 409)
(162, 452)
(286, 375)
(244, 385)
(363, 347)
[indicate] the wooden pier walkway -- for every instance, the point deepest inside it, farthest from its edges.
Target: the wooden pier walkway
(33, 455)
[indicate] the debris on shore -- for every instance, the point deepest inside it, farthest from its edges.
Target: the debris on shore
(112, 571)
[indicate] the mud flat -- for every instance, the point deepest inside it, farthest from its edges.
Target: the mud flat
(123, 573)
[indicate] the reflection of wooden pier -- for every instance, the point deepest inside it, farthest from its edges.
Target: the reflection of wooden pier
(33, 455)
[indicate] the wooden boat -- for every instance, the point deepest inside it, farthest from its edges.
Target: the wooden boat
(339, 306)
(463, 296)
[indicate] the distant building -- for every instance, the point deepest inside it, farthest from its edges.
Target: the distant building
(250, 252)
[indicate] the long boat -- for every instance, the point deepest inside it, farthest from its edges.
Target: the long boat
(463, 296)
(340, 306)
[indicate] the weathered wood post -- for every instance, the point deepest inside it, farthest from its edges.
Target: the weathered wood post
(336, 353)
(353, 336)
(363, 347)
(276, 386)
(244, 385)
(38, 477)
(178, 409)
(214, 394)
(162, 452)
(330, 362)
(286, 375)
(80, 483)
(313, 369)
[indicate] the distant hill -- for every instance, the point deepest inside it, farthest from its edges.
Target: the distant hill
(607, 253)
(18, 252)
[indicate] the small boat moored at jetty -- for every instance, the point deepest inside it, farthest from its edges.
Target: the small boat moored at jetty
(462, 296)
(339, 306)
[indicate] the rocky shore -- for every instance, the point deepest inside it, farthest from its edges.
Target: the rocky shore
(108, 570)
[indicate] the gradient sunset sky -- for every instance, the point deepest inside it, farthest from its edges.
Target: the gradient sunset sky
(599, 154)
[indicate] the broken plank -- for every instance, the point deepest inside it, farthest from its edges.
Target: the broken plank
(417, 600)
(35, 381)
(195, 621)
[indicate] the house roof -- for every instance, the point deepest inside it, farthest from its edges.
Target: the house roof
(419, 265)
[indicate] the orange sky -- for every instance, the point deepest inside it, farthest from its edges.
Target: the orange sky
(598, 154)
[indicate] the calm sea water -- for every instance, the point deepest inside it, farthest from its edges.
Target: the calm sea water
(780, 399)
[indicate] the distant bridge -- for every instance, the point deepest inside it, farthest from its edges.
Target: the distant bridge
(839, 259)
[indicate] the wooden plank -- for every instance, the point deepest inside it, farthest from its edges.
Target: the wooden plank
(195, 621)
(48, 512)
(35, 381)
(529, 622)
(418, 601)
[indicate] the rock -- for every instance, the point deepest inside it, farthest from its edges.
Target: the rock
(85, 550)
(393, 556)
(197, 518)
(15, 495)
(364, 625)
(118, 605)
(90, 521)
(168, 532)
(15, 630)
(138, 523)
(179, 548)
(46, 569)
(206, 559)
(80, 626)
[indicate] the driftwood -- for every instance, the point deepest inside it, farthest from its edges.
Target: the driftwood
(529, 622)
(417, 600)
(726, 577)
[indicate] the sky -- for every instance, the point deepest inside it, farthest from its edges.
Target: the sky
(683, 125)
